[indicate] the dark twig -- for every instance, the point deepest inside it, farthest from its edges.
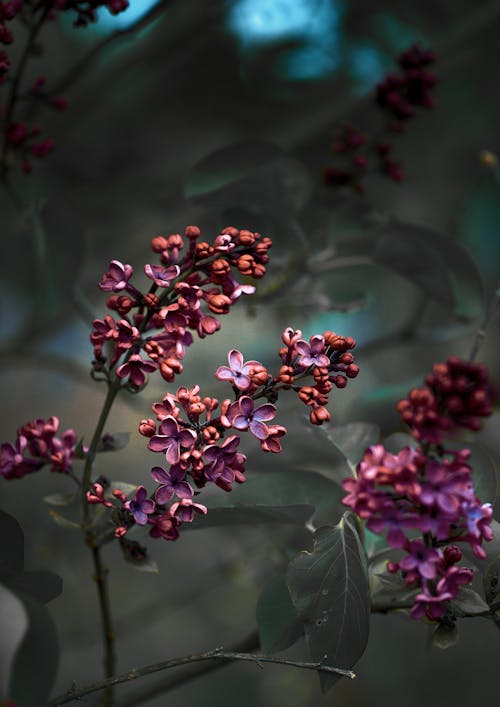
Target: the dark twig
(217, 654)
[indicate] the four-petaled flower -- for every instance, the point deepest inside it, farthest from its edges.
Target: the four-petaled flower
(162, 276)
(136, 368)
(248, 418)
(170, 440)
(238, 372)
(312, 354)
(117, 277)
(185, 509)
(172, 483)
(140, 506)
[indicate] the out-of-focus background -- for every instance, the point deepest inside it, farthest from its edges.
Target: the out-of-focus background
(224, 113)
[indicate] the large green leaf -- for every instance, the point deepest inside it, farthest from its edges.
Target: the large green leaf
(34, 667)
(251, 514)
(279, 626)
(249, 173)
(351, 440)
(14, 623)
(330, 591)
(287, 488)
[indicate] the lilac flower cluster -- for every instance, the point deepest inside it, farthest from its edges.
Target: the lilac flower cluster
(18, 137)
(199, 441)
(429, 491)
(192, 282)
(457, 394)
(398, 95)
(37, 445)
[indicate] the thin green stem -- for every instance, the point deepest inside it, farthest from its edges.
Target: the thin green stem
(100, 578)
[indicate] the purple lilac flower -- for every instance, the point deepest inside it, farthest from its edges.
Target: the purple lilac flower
(162, 276)
(424, 560)
(171, 439)
(248, 418)
(13, 463)
(225, 464)
(312, 354)
(446, 486)
(140, 506)
(117, 277)
(185, 509)
(164, 526)
(135, 369)
(238, 372)
(172, 483)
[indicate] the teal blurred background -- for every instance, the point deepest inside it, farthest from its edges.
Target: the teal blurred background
(221, 113)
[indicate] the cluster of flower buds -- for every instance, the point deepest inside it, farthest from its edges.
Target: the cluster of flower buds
(23, 140)
(199, 439)
(37, 445)
(193, 282)
(429, 490)
(398, 95)
(457, 394)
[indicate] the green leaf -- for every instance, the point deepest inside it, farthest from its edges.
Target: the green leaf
(478, 226)
(438, 264)
(62, 521)
(60, 499)
(468, 603)
(249, 173)
(389, 591)
(351, 440)
(330, 591)
(250, 515)
(288, 488)
(12, 552)
(14, 623)
(279, 626)
(35, 664)
(395, 442)
(445, 636)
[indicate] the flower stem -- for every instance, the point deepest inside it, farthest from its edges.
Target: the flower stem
(100, 578)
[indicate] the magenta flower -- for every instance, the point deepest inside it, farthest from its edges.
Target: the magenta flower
(135, 369)
(172, 483)
(184, 510)
(312, 354)
(237, 372)
(170, 440)
(225, 464)
(13, 463)
(140, 506)
(117, 277)
(248, 418)
(272, 442)
(422, 559)
(162, 276)
(164, 527)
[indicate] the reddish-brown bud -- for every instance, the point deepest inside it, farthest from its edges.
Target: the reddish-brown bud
(151, 300)
(147, 428)
(319, 415)
(158, 244)
(246, 238)
(219, 303)
(204, 250)
(169, 368)
(192, 232)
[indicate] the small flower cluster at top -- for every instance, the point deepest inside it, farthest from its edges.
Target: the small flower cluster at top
(37, 445)
(17, 135)
(429, 491)
(192, 282)
(191, 432)
(399, 96)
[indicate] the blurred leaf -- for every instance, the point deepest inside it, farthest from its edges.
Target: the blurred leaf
(128, 489)
(137, 555)
(479, 226)
(14, 623)
(250, 515)
(389, 591)
(491, 567)
(484, 473)
(113, 442)
(34, 667)
(351, 440)
(395, 442)
(330, 591)
(249, 173)
(468, 603)
(12, 552)
(42, 586)
(62, 521)
(278, 624)
(288, 488)
(441, 266)
(60, 499)
(373, 543)
(445, 636)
